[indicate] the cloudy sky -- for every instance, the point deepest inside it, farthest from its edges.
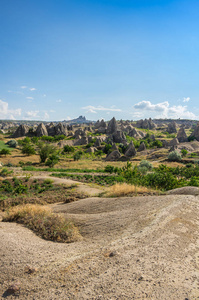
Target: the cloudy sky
(99, 58)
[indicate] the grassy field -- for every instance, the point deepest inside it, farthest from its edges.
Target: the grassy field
(4, 146)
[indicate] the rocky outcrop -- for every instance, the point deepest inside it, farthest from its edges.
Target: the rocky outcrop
(142, 147)
(51, 129)
(181, 136)
(61, 129)
(91, 150)
(113, 156)
(172, 127)
(174, 142)
(119, 137)
(146, 124)
(130, 151)
(195, 133)
(112, 126)
(22, 130)
(41, 130)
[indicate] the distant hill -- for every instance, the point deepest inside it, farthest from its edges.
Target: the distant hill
(79, 120)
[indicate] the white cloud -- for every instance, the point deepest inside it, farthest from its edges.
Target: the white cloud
(52, 111)
(94, 109)
(59, 100)
(23, 87)
(7, 113)
(30, 98)
(32, 89)
(32, 113)
(186, 99)
(145, 109)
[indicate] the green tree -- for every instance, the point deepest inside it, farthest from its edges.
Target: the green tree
(45, 150)
(28, 149)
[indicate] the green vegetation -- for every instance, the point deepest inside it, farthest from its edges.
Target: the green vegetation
(3, 146)
(45, 150)
(5, 151)
(28, 149)
(174, 156)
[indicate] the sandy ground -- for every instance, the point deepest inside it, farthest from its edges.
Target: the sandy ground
(132, 248)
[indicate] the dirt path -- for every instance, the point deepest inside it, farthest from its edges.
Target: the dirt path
(132, 248)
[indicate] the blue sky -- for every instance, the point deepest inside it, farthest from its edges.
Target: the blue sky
(129, 59)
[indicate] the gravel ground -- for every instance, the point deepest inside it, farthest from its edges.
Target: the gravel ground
(132, 248)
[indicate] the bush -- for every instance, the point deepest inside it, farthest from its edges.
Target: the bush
(52, 160)
(145, 164)
(12, 143)
(45, 150)
(68, 149)
(107, 148)
(5, 152)
(184, 152)
(77, 155)
(174, 156)
(28, 149)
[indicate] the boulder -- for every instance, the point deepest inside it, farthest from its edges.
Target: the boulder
(91, 150)
(22, 130)
(130, 151)
(113, 156)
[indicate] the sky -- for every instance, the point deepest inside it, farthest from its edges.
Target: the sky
(99, 58)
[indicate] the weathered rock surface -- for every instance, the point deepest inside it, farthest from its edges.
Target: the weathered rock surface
(113, 156)
(41, 130)
(130, 151)
(22, 130)
(172, 127)
(181, 136)
(112, 126)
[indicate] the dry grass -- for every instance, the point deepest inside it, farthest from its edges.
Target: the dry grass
(124, 189)
(44, 223)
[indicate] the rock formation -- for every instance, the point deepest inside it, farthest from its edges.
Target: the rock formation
(181, 136)
(130, 151)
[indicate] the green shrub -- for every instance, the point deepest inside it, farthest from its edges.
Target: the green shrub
(5, 152)
(12, 143)
(28, 149)
(68, 149)
(184, 152)
(52, 160)
(145, 164)
(174, 156)
(77, 155)
(45, 150)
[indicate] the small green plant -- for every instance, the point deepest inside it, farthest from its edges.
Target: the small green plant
(184, 152)
(5, 152)
(146, 164)
(5, 172)
(174, 156)
(77, 155)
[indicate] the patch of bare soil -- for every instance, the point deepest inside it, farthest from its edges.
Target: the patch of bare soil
(132, 248)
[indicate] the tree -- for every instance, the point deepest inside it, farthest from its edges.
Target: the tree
(174, 156)
(28, 149)
(45, 150)
(52, 160)
(184, 152)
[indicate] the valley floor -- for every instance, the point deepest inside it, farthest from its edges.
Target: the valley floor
(132, 248)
